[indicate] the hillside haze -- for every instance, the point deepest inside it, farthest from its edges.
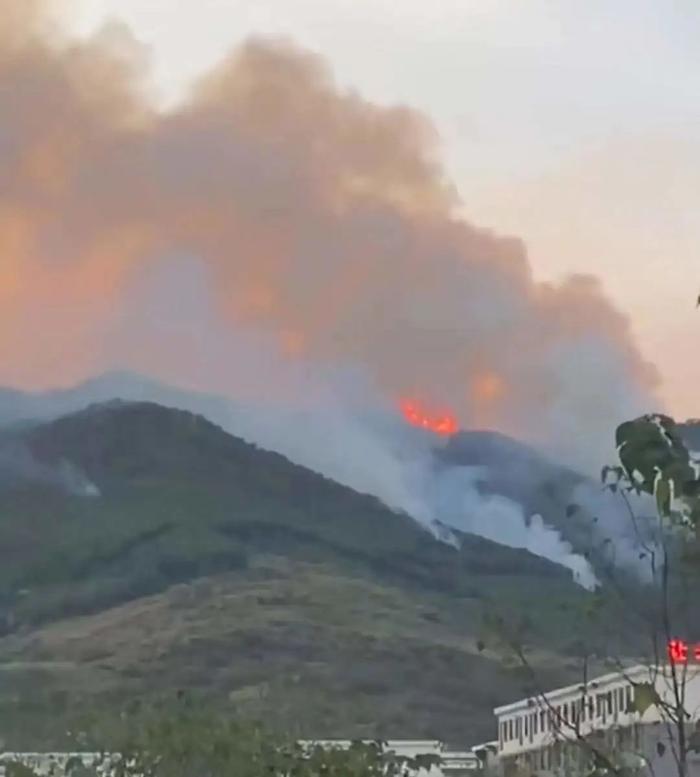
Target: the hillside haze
(371, 450)
(192, 558)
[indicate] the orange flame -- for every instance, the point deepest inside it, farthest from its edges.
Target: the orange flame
(417, 415)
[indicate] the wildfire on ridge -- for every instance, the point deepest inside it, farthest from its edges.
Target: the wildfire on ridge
(417, 415)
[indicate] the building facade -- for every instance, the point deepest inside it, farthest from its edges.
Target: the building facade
(452, 763)
(622, 718)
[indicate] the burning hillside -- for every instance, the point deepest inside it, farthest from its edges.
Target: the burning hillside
(322, 223)
(417, 415)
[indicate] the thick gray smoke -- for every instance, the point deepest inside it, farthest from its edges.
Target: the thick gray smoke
(329, 274)
(457, 502)
(350, 435)
(320, 222)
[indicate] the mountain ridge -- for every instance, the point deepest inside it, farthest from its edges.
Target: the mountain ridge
(184, 506)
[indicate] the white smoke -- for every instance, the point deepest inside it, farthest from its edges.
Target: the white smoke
(18, 466)
(331, 418)
(622, 532)
(576, 371)
(325, 225)
(458, 503)
(378, 454)
(343, 429)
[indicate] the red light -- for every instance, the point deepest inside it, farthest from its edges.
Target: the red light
(678, 651)
(417, 415)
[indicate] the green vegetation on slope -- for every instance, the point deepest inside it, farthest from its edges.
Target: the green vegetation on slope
(208, 564)
(308, 650)
(181, 499)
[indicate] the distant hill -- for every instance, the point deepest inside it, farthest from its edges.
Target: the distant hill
(191, 558)
(19, 406)
(690, 430)
(510, 468)
(165, 474)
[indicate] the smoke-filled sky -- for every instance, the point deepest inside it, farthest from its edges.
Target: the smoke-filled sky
(290, 203)
(572, 125)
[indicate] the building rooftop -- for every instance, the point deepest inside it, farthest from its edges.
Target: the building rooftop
(633, 673)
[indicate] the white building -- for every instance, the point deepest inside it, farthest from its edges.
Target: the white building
(452, 763)
(53, 764)
(487, 756)
(558, 731)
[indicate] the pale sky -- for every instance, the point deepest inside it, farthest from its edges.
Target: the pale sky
(574, 125)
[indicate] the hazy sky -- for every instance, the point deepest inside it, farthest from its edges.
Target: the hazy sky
(574, 125)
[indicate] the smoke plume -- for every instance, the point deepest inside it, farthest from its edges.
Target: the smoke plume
(324, 221)
(324, 236)
(19, 468)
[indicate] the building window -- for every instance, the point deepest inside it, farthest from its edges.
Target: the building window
(621, 699)
(510, 729)
(543, 719)
(534, 723)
